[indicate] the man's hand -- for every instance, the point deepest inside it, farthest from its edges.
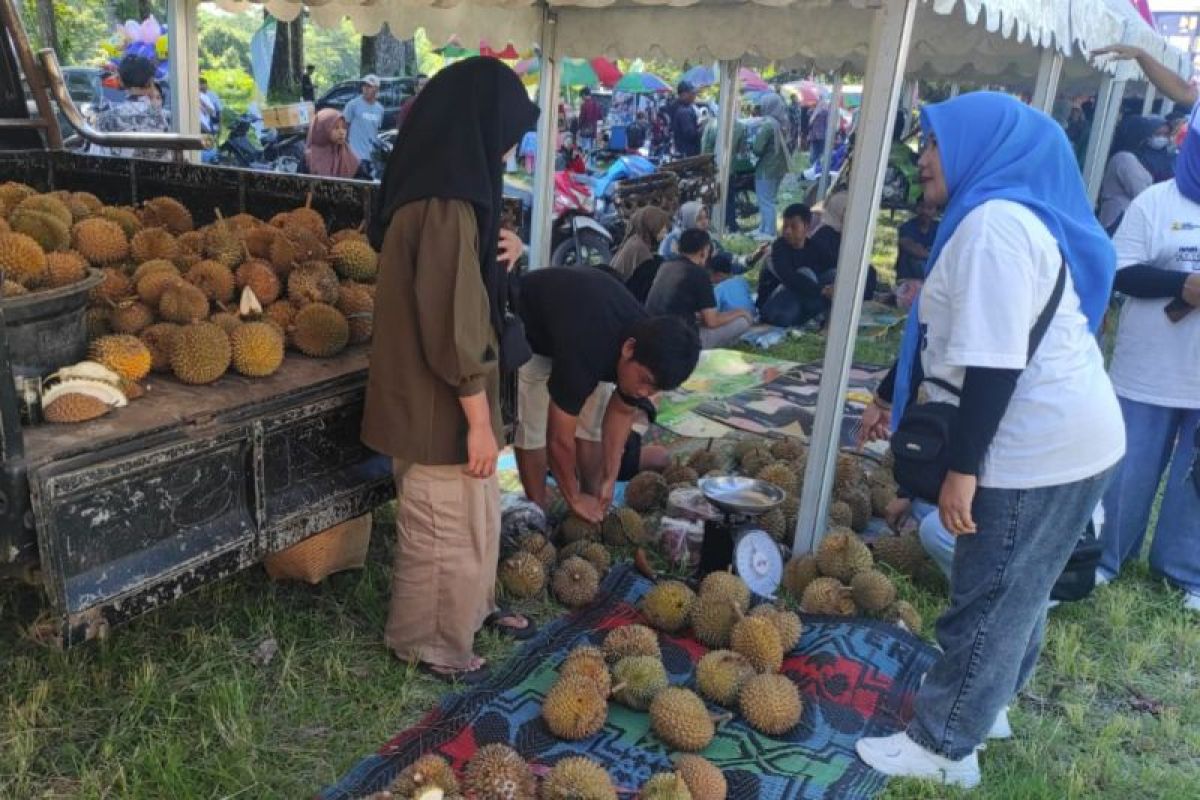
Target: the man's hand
(1191, 290)
(896, 512)
(954, 503)
(876, 424)
(607, 490)
(510, 249)
(589, 508)
(1122, 52)
(482, 451)
(759, 252)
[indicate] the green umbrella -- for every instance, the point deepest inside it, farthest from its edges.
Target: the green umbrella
(578, 72)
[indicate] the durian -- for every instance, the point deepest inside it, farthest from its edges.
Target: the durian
(713, 618)
(758, 640)
(665, 786)
(214, 279)
(679, 717)
(755, 460)
(79, 400)
(159, 339)
(131, 317)
(623, 527)
(704, 461)
(576, 529)
(638, 679)
(668, 605)
(123, 354)
(578, 778)
(540, 547)
(153, 244)
(775, 524)
(182, 302)
(152, 266)
(257, 349)
(720, 675)
(594, 553)
(787, 449)
(646, 492)
(786, 623)
(223, 243)
(842, 555)
(50, 232)
(873, 591)
(631, 640)
(574, 709)
(827, 596)
(319, 330)
(771, 704)
(859, 500)
(12, 289)
(726, 585)
(201, 353)
(882, 496)
(522, 575)
(357, 303)
(575, 583)
(428, 771)
(903, 553)
(99, 241)
(677, 474)
(169, 213)
(780, 474)
(798, 573)
(21, 259)
(841, 515)
(281, 313)
(497, 772)
(126, 219)
(64, 269)
(902, 613)
(702, 777)
(44, 204)
(355, 260)
(589, 663)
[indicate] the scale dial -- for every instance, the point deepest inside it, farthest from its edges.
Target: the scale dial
(758, 561)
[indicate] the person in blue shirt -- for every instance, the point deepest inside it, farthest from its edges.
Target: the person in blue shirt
(364, 116)
(916, 239)
(733, 291)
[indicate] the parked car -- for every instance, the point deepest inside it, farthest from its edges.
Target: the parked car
(392, 94)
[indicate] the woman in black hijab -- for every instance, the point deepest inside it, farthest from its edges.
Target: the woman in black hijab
(433, 390)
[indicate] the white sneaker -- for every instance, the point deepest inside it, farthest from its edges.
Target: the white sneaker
(900, 757)
(1000, 728)
(1102, 579)
(1191, 601)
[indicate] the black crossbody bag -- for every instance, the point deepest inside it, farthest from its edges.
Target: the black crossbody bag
(921, 442)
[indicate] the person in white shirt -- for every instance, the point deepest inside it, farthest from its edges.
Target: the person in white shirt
(1038, 428)
(364, 116)
(210, 109)
(1156, 372)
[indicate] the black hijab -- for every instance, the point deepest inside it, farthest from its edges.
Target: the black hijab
(450, 147)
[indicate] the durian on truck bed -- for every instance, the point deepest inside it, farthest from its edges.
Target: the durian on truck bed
(118, 515)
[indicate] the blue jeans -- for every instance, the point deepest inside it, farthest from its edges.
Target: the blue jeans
(766, 189)
(1153, 434)
(818, 152)
(937, 541)
(999, 588)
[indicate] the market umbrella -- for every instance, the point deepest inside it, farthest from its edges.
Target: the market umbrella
(576, 72)
(509, 53)
(642, 83)
(809, 92)
(700, 76)
(752, 81)
(606, 71)
(454, 49)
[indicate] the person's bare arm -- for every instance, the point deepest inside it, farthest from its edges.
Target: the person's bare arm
(482, 450)
(560, 436)
(711, 318)
(1159, 74)
(614, 433)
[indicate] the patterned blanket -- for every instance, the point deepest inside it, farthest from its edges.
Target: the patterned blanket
(857, 678)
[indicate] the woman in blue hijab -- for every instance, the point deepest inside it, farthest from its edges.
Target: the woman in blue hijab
(1038, 430)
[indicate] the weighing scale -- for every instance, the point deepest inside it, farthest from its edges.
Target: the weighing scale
(736, 539)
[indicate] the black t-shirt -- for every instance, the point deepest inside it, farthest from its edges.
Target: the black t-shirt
(578, 317)
(307, 89)
(681, 288)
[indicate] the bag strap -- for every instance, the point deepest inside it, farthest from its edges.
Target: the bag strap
(1047, 316)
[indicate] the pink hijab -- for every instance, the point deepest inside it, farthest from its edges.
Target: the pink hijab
(324, 157)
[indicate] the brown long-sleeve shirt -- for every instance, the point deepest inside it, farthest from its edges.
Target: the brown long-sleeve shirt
(433, 340)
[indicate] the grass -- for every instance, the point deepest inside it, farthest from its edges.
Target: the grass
(180, 704)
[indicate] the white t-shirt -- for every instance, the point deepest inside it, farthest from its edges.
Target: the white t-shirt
(1158, 361)
(978, 307)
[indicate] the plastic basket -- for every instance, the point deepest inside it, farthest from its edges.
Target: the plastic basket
(335, 549)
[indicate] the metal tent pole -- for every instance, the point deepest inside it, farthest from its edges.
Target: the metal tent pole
(1045, 88)
(183, 38)
(891, 35)
(547, 141)
(832, 125)
(728, 106)
(1108, 107)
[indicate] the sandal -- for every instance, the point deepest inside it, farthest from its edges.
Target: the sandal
(493, 621)
(466, 677)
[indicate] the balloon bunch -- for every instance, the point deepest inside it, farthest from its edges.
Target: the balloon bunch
(147, 39)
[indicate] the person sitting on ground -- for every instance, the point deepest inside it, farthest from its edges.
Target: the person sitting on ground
(327, 154)
(597, 358)
(1135, 144)
(732, 290)
(684, 287)
(912, 253)
(140, 112)
(790, 286)
(694, 214)
(647, 227)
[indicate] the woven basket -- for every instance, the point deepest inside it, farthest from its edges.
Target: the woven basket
(332, 550)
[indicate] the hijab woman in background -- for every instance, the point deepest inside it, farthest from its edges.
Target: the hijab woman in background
(1035, 439)
(694, 214)
(327, 153)
(1141, 157)
(433, 389)
(647, 227)
(1156, 372)
(770, 145)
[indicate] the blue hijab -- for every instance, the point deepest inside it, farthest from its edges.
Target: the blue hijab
(1187, 165)
(994, 147)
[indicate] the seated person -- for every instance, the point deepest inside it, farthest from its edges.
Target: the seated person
(694, 214)
(828, 237)
(791, 287)
(916, 239)
(732, 290)
(684, 288)
(598, 358)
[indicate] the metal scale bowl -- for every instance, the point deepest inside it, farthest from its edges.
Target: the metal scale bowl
(736, 539)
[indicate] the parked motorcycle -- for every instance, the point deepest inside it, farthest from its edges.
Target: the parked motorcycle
(587, 225)
(279, 152)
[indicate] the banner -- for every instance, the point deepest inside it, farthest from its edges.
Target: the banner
(262, 49)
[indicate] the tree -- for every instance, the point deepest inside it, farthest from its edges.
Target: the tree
(384, 54)
(287, 62)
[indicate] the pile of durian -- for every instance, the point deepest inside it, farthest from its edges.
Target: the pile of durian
(192, 302)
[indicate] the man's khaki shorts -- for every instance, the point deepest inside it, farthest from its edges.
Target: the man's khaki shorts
(533, 406)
